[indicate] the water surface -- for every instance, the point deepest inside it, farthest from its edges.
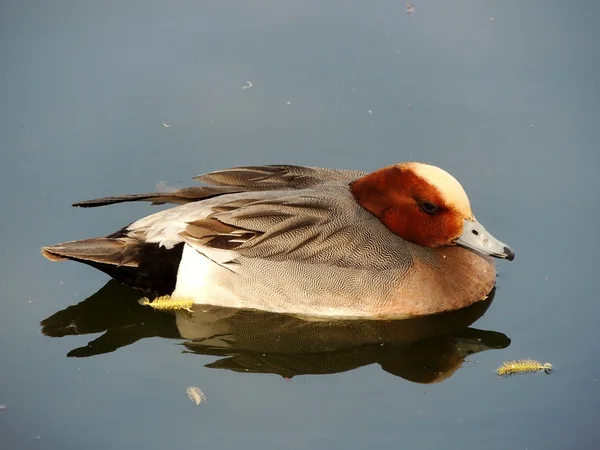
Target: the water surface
(115, 97)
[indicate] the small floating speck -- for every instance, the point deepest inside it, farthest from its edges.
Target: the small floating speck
(248, 85)
(288, 103)
(410, 9)
(3, 407)
(163, 187)
(166, 125)
(196, 395)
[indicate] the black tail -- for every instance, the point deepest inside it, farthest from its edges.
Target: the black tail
(143, 266)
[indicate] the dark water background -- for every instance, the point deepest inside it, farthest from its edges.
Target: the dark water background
(504, 95)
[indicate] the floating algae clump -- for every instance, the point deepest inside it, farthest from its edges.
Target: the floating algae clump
(522, 366)
(168, 303)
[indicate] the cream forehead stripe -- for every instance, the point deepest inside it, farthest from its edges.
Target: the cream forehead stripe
(446, 184)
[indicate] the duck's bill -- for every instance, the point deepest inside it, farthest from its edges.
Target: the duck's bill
(476, 237)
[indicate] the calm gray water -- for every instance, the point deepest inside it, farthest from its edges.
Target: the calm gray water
(504, 95)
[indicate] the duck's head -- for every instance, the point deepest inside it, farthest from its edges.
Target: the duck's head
(427, 206)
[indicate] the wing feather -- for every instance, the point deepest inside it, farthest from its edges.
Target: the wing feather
(235, 180)
(276, 177)
(289, 227)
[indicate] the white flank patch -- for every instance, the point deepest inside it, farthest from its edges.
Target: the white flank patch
(197, 276)
(194, 274)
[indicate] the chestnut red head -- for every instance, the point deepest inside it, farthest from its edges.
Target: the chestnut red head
(427, 206)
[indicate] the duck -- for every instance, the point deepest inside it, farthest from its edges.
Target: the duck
(396, 243)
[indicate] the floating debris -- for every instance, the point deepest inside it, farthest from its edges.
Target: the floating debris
(166, 125)
(163, 187)
(168, 303)
(410, 9)
(248, 85)
(3, 407)
(522, 366)
(196, 395)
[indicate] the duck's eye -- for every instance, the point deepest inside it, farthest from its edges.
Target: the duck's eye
(428, 208)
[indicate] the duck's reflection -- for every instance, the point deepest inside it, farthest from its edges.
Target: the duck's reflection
(424, 350)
